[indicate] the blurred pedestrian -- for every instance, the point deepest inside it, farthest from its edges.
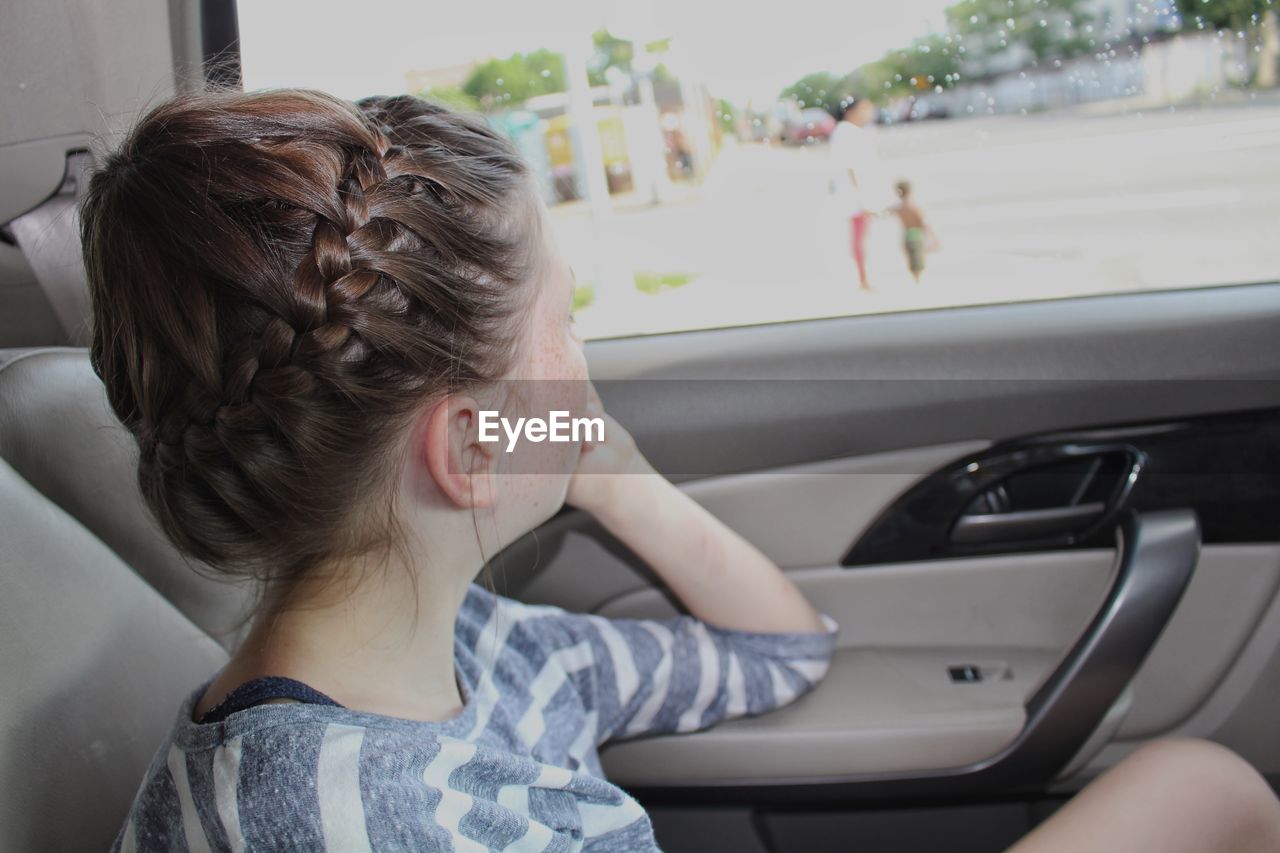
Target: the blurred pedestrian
(917, 236)
(860, 188)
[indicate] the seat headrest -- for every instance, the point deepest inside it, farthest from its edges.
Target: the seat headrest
(59, 434)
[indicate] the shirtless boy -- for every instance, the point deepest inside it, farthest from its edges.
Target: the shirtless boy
(915, 231)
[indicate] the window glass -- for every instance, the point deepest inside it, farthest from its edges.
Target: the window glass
(699, 172)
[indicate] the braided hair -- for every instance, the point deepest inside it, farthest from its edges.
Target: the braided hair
(280, 281)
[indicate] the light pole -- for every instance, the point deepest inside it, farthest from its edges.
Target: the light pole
(644, 63)
(582, 122)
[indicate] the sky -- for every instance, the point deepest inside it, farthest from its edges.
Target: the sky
(741, 52)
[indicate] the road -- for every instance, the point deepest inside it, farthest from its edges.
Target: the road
(1026, 207)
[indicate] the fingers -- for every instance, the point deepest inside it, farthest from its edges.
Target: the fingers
(594, 409)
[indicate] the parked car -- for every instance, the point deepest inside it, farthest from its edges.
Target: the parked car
(811, 125)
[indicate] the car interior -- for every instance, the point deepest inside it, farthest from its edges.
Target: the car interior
(1049, 531)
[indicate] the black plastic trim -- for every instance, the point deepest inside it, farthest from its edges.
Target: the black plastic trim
(220, 43)
(1158, 553)
(1034, 523)
(1226, 467)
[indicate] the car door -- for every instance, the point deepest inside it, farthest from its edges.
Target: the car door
(1049, 533)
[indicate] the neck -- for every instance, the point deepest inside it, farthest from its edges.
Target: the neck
(380, 641)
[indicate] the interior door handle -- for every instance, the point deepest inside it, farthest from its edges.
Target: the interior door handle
(1027, 524)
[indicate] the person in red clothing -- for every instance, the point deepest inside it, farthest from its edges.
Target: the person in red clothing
(860, 188)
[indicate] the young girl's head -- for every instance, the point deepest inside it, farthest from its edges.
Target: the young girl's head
(285, 287)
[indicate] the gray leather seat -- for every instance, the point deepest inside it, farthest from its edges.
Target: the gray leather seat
(103, 626)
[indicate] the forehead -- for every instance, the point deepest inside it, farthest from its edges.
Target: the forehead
(550, 261)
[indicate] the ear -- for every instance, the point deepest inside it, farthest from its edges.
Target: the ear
(461, 465)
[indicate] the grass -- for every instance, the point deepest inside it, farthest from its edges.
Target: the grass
(583, 295)
(652, 282)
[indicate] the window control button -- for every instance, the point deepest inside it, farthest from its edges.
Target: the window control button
(964, 674)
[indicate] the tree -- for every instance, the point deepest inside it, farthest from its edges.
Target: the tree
(930, 63)
(501, 83)
(611, 52)
(822, 89)
(1046, 29)
(1223, 14)
(450, 96)
(1257, 19)
(727, 113)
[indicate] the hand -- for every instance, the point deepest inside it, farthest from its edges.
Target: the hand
(603, 466)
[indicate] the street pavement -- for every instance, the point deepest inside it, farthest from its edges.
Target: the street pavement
(1026, 207)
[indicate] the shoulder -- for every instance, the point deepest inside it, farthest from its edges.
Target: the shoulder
(485, 611)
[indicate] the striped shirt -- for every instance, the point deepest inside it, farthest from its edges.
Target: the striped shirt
(516, 769)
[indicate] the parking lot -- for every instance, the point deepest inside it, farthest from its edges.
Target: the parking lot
(1026, 207)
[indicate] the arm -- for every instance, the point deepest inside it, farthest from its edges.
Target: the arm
(720, 577)
(647, 676)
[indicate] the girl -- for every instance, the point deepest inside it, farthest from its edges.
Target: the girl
(302, 306)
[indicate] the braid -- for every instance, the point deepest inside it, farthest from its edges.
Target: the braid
(279, 281)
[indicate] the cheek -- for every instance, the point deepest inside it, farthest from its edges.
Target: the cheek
(558, 355)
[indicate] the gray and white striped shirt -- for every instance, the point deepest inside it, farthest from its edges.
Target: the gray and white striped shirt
(517, 769)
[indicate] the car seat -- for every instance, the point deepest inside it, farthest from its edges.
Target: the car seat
(104, 627)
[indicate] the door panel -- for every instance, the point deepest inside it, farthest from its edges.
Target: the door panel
(889, 704)
(806, 436)
(826, 505)
(1027, 602)
(1232, 587)
(802, 392)
(1240, 712)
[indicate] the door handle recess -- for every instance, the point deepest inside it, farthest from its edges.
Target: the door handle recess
(1026, 524)
(1049, 495)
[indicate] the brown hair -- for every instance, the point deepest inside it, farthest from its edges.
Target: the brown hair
(280, 281)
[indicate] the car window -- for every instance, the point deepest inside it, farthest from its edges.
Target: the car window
(698, 177)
